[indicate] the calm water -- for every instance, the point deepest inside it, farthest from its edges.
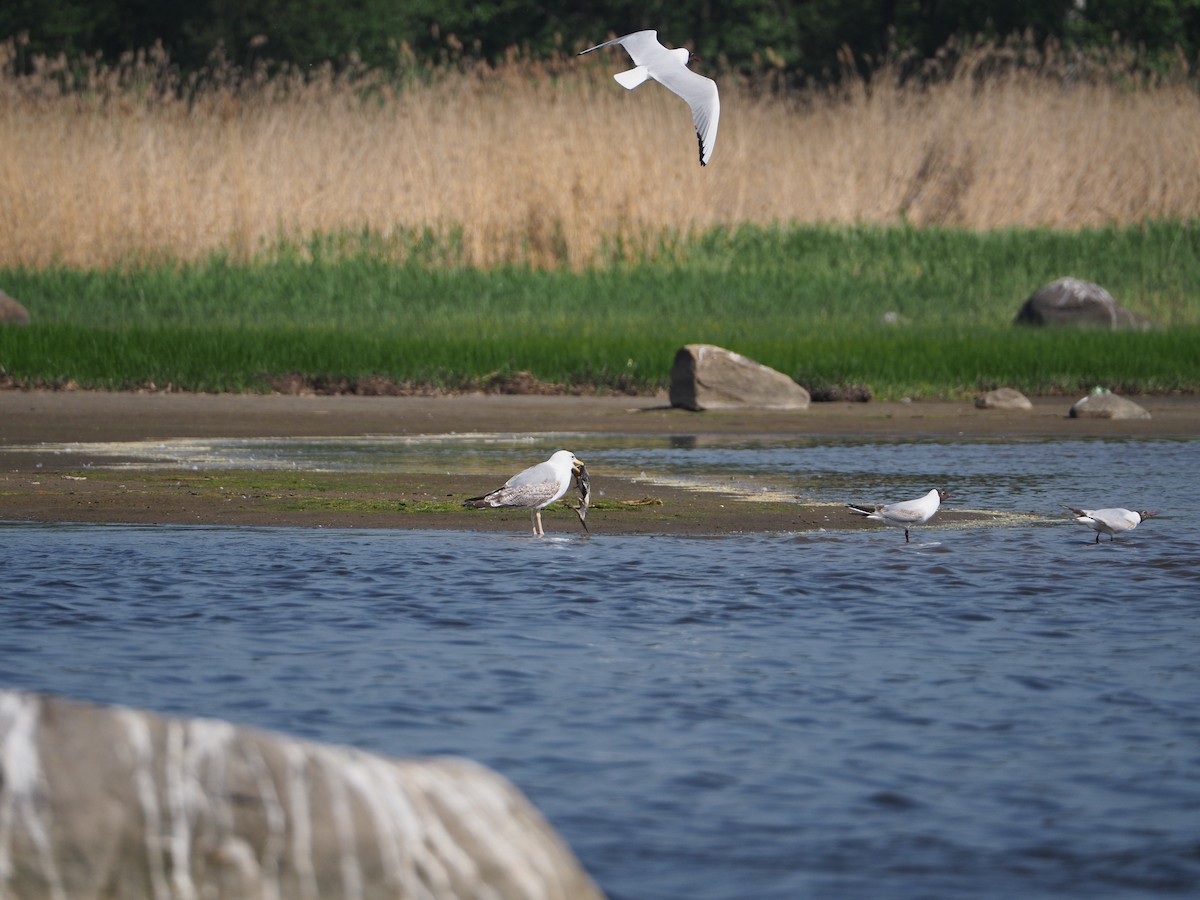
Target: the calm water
(988, 712)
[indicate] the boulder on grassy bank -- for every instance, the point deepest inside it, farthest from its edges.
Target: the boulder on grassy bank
(12, 312)
(116, 802)
(705, 376)
(1106, 405)
(1003, 398)
(1070, 301)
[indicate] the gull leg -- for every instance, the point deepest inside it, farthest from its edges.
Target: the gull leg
(1097, 537)
(540, 532)
(906, 535)
(533, 521)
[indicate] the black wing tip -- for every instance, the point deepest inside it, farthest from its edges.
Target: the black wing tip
(700, 141)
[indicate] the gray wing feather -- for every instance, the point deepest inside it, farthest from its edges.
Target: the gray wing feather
(526, 495)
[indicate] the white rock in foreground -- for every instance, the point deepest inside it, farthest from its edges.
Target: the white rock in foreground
(107, 802)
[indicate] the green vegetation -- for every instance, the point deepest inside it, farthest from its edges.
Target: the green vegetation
(808, 300)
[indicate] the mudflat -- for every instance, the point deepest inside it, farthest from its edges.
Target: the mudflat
(42, 481)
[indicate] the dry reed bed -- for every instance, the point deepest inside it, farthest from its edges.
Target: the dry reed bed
(545, 164)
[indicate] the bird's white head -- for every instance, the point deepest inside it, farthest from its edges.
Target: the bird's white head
(566, 459)
(684, 55)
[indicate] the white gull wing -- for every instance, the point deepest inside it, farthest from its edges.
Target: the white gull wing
(907, 515)
(669, 68)
(642, 46)
(701, 95)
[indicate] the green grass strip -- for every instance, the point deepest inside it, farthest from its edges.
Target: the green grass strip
(810, 301)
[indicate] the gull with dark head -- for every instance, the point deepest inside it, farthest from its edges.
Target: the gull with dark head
(535, 488)
(669, 68)
(1109, 521)
(905, 514)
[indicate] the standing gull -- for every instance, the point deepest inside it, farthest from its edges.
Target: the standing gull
(535, 488)
(1109, 521)
(669, 68)
(905, 514)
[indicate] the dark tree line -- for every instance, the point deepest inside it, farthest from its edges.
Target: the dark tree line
(802, 38)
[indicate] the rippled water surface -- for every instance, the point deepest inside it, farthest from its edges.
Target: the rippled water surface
(997, 712)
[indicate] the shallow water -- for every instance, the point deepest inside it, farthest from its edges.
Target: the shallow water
(991, 712)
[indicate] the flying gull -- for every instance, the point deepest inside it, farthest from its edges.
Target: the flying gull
(535, 488)
(669, 68)
(1109, 521)
(905, 514)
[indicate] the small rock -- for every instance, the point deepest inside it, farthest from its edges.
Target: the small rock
(1107, 406)
(842, 393)
(1003, 398)
(1070, 301)
(12, 312)
(705, 376)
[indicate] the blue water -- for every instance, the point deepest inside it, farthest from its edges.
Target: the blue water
(989, 712)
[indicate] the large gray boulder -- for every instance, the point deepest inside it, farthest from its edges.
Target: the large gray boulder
(12, 312)
(705, 376)
(1070, 301)
(1105, 405)
(109, 802)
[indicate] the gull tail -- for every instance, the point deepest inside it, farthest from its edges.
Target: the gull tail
(631, 79)
(862, 511)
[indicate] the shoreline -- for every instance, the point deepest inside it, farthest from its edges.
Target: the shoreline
(53, 485)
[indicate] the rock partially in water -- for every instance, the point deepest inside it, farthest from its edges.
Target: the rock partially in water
(1070, 301)
(114, 802)
(12, 312)
(705, 376)
(1106, 405)
(1003, 398)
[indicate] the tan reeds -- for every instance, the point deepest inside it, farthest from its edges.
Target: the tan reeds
(547, 164)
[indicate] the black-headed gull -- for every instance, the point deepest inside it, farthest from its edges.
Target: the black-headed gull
(669, 68)
(535, 488)
(905, 514)
(1109, 521)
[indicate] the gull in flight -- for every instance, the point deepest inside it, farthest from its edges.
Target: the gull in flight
(535, 488)
(905, 514)
(1109, 521)
(669, 68)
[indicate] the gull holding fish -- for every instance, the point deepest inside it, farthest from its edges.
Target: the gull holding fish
(1109, 521)
(905, 514)
(537, 487)
(652, 61)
